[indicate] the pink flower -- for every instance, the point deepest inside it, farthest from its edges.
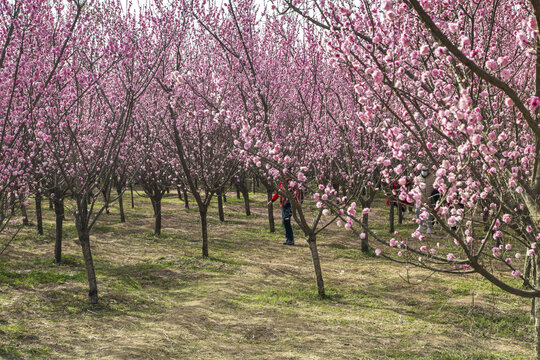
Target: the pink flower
(491, 65)
(450, 257)
(496, 251)
(506, 218)
(508, 247)
(518, 256)
(516, 273)
(378, 252)
(301, 177)
(365, 211)
(363, 235)
(325, 212)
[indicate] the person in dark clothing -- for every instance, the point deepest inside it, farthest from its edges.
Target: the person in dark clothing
(286, 209)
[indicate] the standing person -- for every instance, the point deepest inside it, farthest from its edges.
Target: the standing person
(286, 210)
(425, 184)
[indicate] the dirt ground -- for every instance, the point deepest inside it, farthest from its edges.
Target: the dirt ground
(252, 299)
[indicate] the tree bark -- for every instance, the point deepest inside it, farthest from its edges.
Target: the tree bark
(39, 214)
(245, 194)
(121, 206)
(24, 214)
(156, 203)
(186, 199)
(59, 212)
(204, 231)
(132, 202)
(237, 186)
(316, 265)
(51, 204)
(365, 241)
(84, 238)
(179, 191)
(220, 206)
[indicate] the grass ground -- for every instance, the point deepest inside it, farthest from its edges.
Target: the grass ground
(252, 299)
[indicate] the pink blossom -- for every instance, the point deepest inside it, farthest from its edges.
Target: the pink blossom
(378, 252)
(450, 257)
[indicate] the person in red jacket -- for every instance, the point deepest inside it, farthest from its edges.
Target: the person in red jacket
(286, 210)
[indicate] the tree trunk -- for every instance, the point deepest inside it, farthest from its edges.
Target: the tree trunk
(220, 206)
(237, 186)
(24, 214)
(156, 203)
(186, 199)
(400, 212)
(271, 221)
(391, 216)
(59, 212)
(254, 185)
(365, 241)
(51, 204)
(39, 214)
(132, 202)
(316, 265)
(224, 194)
(84, 238)
(245, 194)
(121, 206)
(204, 228)
(179, 191)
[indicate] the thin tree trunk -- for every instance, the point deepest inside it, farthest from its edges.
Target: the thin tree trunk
(179, 191)
(391, 216)
(400, 212)
(59, 212)
(316, 265)
(186, 199)
(51, 204)
(220, 206)
(224, 194)
(271, 222)
(132, 200)
(84, 238)
(254, 185)
(237, 186)
(24, 214)
(204, 228)
(245, 194)
(156, 203)
(365, 240)
(39, 214)
(121, 206)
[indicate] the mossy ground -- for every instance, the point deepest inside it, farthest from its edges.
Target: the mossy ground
(252, 299)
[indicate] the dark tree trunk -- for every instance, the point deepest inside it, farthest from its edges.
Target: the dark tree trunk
(107, 197)
(224, 194)
(132, 200)
(186, 199)
(84, 238)
(220, 206)
(39, 214)
(254, 185)
(237, 186)
(51, 204)
(400, 212)
(271, 222)
(245, 194)
(391, 216)
(365, 241)
(59, 212)
(316, 265)
(24, 214)
(204, 229)
(121, 205)
(156, 204)
(179, 191)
